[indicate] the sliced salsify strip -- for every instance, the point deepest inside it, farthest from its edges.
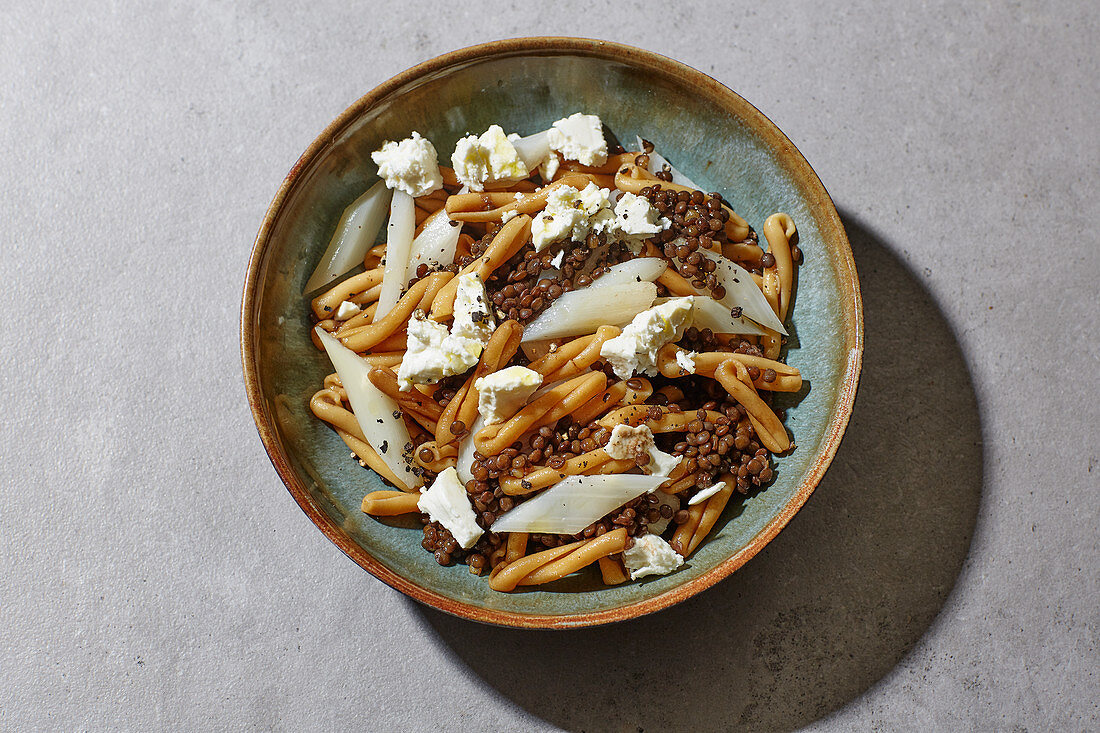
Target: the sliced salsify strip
(378, 415)
(435, 245)
(657, 162)
(575, 502)
(580, 312)
(399, 240)
(355, 234)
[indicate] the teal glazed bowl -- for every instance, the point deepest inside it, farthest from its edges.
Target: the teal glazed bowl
(524, 85)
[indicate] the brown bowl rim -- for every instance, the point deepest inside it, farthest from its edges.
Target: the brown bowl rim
(832, 231)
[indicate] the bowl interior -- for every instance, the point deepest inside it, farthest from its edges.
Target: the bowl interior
(524, 89)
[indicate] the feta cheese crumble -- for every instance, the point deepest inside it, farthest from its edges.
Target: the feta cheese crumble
(707, 493)
(549, 167)
(432, 353)
(686, 361)
(573, 214)
(470, 161)
(635, 349)
(651, 555)
(501, 394)
(490, 157)
(580, 137)
(473, 317)
(636, 220)
(346, 310)
(411, 165)
(634, 443)
(445, 502)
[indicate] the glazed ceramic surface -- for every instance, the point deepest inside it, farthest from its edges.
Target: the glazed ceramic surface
(711, 134)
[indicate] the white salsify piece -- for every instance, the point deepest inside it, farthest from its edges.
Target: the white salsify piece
(709, 313)
(355, 234)
(741, 291)
(378, 415)
(575, 502)
(533, 149)
(657, 162)
(435, 245)
(581, 312)
(399, 239)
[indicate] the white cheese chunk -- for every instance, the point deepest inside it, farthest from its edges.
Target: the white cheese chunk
(651, 555)
(505, 163)
(433, 353)
(628, 442)
(490, 157)
(411, 165)
(473, 317)
(580, 137)
(686, 361)
(470, 161)
(570, 213)
(549, 168)
(445, 502)
(636, 220)
(635, 349)
(707, 493)
(346, 310)
(501, 394)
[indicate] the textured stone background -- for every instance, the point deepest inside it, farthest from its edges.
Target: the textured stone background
(154, 573)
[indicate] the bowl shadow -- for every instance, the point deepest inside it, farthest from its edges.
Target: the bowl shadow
(832, 604)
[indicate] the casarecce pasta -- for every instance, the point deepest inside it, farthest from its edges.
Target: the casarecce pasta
(575, 366)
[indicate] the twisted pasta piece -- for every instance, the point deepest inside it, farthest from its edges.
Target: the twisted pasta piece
(516, 546)
(436, 458)
(771, 340)
(659, 419)
(389, 503)
(545, 410)
(620, 393)
(712, 510)
(787, 378)
(574, 357)
(373, 257)
(593, 462)
(778, 230)
(414, 403)
(681, 538)
(366, 337)
(326, 405)
(522, 566)
(508, 240)
(327, 302)
(470, 207)
(557, 562)
(612, 571)
(609, 543)
(734, 377)
(610, 168)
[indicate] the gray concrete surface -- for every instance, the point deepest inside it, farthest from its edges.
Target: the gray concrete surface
(154, 573)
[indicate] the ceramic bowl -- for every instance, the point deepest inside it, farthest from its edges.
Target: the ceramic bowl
(710, 133)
